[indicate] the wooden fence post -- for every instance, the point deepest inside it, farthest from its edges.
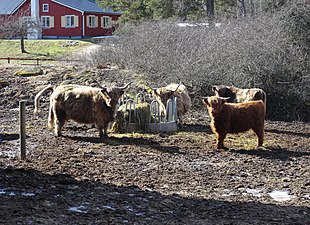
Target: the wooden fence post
(22, 129)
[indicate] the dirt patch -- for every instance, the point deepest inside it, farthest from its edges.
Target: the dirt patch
(133, 178)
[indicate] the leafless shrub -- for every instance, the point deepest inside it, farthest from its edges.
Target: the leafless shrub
(252, 52)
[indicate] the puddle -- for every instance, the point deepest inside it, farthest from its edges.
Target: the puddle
(280, 195)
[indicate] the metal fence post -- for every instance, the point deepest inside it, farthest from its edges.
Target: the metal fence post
(22, 129)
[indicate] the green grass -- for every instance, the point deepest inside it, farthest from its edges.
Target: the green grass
(39, 48)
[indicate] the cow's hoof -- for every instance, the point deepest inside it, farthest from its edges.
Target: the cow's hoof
(222, 148)
(104, 136)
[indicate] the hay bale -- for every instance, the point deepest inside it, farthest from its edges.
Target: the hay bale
(142, 115)
(137, 123)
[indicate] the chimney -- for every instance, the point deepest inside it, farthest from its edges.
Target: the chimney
(35, 32)
(34, 6)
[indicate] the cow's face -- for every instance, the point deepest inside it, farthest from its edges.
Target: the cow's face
(114, 94)
(163, 95)
(224, 91)
(214, 104)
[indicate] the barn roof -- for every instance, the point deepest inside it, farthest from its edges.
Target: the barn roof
(9, 6)
(85, 6)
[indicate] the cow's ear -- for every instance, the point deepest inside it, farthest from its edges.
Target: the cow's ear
(108, 102)
(154, 91)
(205, 101)
(104, 90)
(214, 88)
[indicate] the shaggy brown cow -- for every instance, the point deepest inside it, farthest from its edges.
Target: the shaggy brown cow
(82, 104)
(179, 91)
(235, 118)
(235, 94)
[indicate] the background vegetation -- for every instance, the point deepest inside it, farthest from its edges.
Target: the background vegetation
(269, 50)
(135, 10)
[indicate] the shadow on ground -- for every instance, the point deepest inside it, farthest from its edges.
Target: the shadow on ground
(60, 199)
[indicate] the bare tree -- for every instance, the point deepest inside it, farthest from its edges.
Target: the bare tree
(19, 25)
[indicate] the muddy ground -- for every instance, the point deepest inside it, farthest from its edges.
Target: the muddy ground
(135, 178)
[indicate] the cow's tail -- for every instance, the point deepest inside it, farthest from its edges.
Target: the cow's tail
(38, 96)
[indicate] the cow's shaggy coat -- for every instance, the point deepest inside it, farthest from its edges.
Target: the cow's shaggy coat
(235, 118)
(163, 94)
(82, 104)
(235, 94)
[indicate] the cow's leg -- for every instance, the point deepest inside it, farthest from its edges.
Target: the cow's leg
(260, 135)
(180, 121)
(220, 140)
(51, 117)
(59, 122)
(103, 131)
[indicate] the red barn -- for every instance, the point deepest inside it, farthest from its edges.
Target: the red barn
(74, 19)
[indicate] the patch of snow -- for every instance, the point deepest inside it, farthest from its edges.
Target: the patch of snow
(192, 24)
(16, 193)
(280, 195)
(108, 207)
(79, 209)
(2, 192)
(129, 208)
(217, 25)
(254, 192)
(140, 214)
(227, 193)
(9, 154)
(28, 194)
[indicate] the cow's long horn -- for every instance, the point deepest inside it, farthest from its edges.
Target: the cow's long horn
(204, 97)
(177, 87)
(125, 86)
(224, 98)
(99, 85)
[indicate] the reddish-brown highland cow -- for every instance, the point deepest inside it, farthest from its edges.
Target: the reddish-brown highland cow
(163, 94)
(83, 104)
(235, 118)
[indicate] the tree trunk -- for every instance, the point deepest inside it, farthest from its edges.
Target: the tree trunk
(22, 44)
(210, 8)
(241, 8)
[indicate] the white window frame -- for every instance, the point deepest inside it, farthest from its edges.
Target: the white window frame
(45, 8)
(91, 21)
(46, 21)
(70, 21)
(106, 22)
